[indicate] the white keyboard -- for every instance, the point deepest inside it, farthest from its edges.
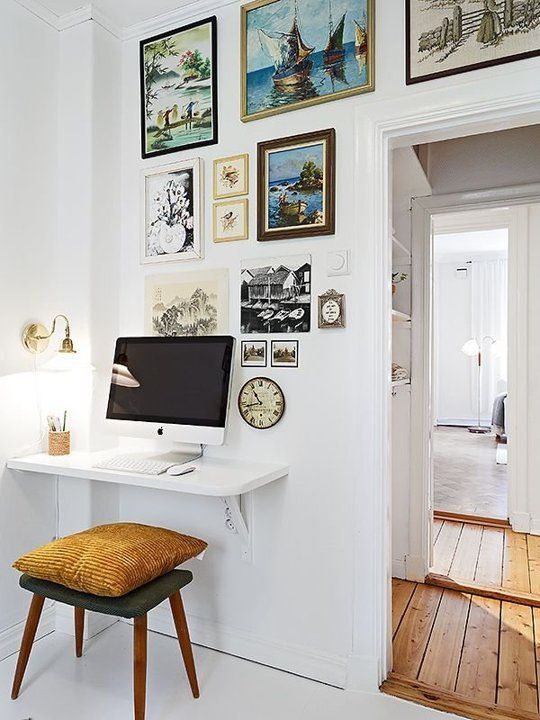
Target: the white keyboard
(135, 464)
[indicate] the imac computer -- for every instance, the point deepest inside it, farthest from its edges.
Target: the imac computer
(174, 389)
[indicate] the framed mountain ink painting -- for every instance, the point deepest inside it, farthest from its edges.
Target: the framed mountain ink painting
(179, 89)
(297, 53)
(455, 36)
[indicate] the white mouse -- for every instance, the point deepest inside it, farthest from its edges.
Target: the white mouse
(181, 469)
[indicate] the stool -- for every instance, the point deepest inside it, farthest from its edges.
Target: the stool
(135, 604)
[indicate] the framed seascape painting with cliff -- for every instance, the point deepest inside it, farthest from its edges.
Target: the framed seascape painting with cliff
(297, 53)
(446, 37)
(296, 186)
(179, 89)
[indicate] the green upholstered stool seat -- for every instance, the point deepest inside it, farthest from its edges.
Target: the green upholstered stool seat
(134, 604)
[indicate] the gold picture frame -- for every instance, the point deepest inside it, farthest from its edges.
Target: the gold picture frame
(228, 227)
(363, 54)
(227, 176)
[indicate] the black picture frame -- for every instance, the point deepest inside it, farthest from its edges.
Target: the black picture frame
(212, 21)
(452, 71)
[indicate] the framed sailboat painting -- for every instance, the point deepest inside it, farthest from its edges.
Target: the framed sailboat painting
(297, 53)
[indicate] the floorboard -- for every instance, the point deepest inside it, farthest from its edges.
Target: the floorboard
(490, 558)
(516, 562)
(517, 685)
(441, 661)
(401, 594)
(446, 545)
(467, 551)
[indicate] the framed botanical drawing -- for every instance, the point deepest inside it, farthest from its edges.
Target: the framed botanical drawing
(192, 303)
(179, 89)
(297, 53)
(231, 176)
(455, 36)
(296, 186)
(231, 220)
(172, 218)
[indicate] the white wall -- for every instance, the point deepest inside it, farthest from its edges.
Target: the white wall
(509, 157)
(28, 282)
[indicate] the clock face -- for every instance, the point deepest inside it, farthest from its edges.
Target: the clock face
(261, 403)
(331, 311)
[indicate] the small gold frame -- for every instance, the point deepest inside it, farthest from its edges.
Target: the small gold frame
(233, 193)
(337, 298)
(245, 229)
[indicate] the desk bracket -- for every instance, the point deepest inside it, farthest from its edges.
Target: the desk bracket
(239, 520)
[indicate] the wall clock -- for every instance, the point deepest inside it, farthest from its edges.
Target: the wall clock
(332, 310)
(261, 403)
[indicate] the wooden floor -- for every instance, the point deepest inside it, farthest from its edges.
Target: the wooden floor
(487, 556)
(484, 651)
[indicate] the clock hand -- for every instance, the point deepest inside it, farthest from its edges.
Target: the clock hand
(253, 404)
(260, 403)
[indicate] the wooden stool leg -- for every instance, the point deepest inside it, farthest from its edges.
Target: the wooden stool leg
(139, 665)
(177, 607)
(79, 631)
(29, 634)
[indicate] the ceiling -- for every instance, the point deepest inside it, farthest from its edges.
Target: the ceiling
(122, 13)
(471, 244)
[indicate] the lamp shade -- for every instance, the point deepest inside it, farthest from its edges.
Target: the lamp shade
(471, 347)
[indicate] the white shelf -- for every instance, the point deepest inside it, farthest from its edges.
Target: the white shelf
(401, 383)
(400, 317)
(230, 480)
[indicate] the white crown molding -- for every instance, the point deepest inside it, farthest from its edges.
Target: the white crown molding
(191, 10)
(76, 17)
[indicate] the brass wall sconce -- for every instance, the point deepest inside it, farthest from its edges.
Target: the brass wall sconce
(36, 337)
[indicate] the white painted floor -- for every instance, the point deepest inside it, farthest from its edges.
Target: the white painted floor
(98, 687)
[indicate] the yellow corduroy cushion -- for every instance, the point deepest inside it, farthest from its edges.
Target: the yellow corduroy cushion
(110, 560)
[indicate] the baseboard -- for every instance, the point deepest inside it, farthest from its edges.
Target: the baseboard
(415, 568)
(462, 422)
(326, 668)
(399, 569)
(522, 522)
(10, 638)
(534, 526)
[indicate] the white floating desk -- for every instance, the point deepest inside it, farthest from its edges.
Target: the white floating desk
(227, 479)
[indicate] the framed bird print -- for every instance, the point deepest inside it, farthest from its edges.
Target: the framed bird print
(179, 89)
(297, 53)
(231, 220)
(231, 176)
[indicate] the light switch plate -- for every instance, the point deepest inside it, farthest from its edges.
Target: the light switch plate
(338, 262)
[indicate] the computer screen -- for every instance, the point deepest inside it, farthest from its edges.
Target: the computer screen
(182, 381)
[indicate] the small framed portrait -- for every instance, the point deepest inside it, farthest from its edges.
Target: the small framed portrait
(253, 353)
(296, 186)
(231, 219)
(231, 176)
(285, 353)
(332, 310)
(172, 222)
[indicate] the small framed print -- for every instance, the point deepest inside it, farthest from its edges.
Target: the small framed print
(332, 310)
(172, 218)
(231, 176)
(253, 353)
(285, 353)
(231, 220)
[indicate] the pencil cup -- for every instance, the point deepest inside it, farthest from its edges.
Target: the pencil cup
(59, 443)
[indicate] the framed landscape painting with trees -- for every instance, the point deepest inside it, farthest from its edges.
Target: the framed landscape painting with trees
(296, 186)
(179, 89)
(455, 36)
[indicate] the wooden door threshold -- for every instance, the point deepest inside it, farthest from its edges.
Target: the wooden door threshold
(471, 519)
(433, 697)
(471, 588)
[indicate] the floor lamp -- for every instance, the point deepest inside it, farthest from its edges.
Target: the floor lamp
(473, 348)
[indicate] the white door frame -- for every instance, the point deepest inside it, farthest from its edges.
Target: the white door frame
(423, 211)
(455, 121)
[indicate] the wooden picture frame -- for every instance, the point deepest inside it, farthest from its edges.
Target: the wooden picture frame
(162, 90)
(337, 59)
(464, 21)
(303, 204)
(331, 310)
(235, 165)
(231, 220)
